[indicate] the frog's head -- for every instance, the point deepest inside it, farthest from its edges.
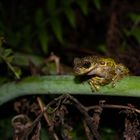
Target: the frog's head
(91, 65)
(84, 65)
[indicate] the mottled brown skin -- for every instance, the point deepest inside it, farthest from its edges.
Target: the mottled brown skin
(104, 70)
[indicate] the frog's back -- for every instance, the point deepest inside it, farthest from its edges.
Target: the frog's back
(103, 60)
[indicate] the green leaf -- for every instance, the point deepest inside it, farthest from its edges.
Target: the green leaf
(43, 38)
(7, 52)
(102, 48)
(136, 33)
(39, 18)
(10, 58)
(7, 56)
(66, 3)
(3, 79)
(97, 4)
(134, 17)
(83, 4)
(127, 32)
(41, 30)
(57, 28)
(17, 72)
(69, 12)
(128, 86)
(51, 6)
(22, 59)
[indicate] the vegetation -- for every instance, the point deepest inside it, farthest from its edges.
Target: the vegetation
(41, 38)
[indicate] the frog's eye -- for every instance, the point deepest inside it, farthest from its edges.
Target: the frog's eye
(102, 62)
(86, 64)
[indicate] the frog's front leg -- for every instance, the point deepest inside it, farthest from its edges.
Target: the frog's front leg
(95, 83)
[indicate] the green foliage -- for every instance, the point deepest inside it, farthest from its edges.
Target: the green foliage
(41, 25)
(5, 128)
(102, 48)
(128, 86)
(41, 31)
(97, 4)
(83, 4)
(135, 29)
(70, 14)
(57, 28)
(7, 56)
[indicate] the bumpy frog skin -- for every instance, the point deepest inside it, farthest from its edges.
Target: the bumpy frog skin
(104, 70)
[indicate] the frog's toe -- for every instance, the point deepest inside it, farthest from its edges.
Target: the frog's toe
(113, 83)
(95, 88)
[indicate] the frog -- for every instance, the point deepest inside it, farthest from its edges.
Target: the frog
(101, 70)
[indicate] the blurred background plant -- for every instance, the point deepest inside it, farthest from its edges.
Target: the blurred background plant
(32, 30)
(78, 27)
(38, 24)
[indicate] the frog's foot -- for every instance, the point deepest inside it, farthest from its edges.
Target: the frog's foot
(95, 83)
(94, 87)
(113, 84)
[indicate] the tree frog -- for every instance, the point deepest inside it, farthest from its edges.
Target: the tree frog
(102, 70)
